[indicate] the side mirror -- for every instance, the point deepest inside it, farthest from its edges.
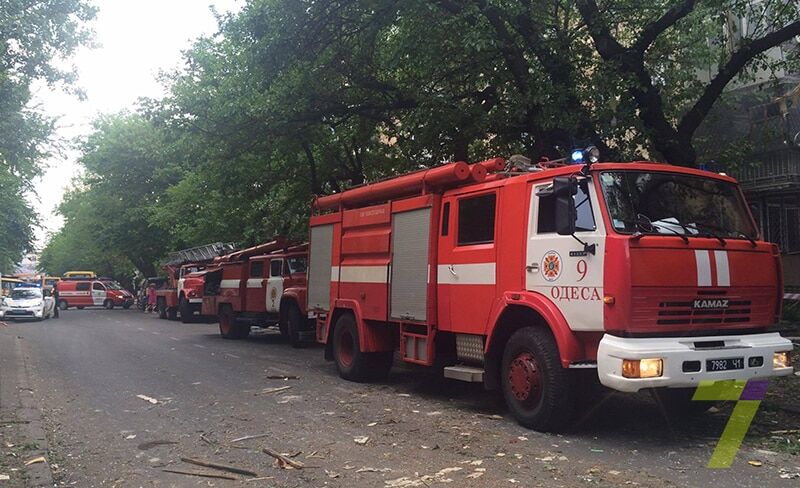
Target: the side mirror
(564, 188)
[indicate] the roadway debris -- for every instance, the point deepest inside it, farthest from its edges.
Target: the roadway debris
(268, 391)
(361, 440)
(145, 446)
(282, 461)
(147, 398)
(36, 460)
(202, 474)
(221, 467)
(248, 437)
(284, 377)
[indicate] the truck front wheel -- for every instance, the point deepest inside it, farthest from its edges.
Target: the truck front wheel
(161, 304)
(539, 392)
(186, 311)
(351, 362)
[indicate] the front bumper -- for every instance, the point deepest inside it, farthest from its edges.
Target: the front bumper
(21, 313)
(675, 351)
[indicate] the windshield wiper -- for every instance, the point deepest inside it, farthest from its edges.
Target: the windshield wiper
(643, 223)
(709, 233)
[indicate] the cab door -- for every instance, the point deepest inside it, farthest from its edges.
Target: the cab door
(98, 293)
(275, 285)
(466, 272)
(561, 268)
(256, 281)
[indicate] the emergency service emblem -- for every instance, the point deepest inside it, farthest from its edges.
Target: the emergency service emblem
(551, 266)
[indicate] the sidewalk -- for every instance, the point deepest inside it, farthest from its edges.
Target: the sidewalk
(22, 434)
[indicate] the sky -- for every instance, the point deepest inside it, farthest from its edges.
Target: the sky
(135, 39)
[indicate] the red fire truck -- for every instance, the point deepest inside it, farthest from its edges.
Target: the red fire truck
(651, 276)
(260, 286)
(184, 290)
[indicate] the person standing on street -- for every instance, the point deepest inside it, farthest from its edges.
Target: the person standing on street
(151, 298)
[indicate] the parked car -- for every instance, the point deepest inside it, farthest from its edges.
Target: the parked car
(27, 303)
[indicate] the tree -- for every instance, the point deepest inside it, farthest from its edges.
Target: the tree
(36, 37)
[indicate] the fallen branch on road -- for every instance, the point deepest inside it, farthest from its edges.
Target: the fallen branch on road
(201, 474)
(222, 467)
(9, 422)
(283, 459)
(248, 437)
(268, 391)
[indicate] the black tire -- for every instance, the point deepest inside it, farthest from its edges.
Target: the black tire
(295, 323)
(108, 305)
(127, 306)
(161, 304)
(352, 364)
(677, 402)
(63, 305)
(80, 307)
(229, 327)
(172, 313)
(539, 392)
(186, 310)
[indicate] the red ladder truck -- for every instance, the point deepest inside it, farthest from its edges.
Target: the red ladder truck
(261, 286)
(650, 276)
(184, 291)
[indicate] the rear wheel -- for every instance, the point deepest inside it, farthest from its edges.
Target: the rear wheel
(161, 304)
(186, 310)
(79, 307)
(126, 306)
(537, 389)
(351, 362)
(63, 305)
(295, 323)
(229, 327)
(108, 304)
(172, 313)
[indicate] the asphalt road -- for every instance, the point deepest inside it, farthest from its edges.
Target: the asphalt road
(88, 367)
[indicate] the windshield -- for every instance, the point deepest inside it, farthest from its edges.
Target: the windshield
(26, 293)
(113, 285)
(671, 203)
(297, 264)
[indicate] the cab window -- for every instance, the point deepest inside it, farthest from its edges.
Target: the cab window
(98, 286)
(476, 219)
(583, 208)
(276, 266)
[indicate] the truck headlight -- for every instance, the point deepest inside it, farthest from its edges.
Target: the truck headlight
(642, 368)
(781, 360)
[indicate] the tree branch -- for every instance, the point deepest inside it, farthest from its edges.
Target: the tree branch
(651, 32)
(692, 119)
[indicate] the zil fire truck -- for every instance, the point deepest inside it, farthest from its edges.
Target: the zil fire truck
(260, 286)
(651, 276)
(184, 290)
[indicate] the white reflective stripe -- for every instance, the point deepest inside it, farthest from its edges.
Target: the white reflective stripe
(723, 270)
(364, 274)
(229, 283)
(254, 283)
(334, 273)
(703, 268)
(467, 274)
(195, 300)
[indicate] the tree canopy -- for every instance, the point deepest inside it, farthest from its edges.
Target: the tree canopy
(295, 98)
(36, 38)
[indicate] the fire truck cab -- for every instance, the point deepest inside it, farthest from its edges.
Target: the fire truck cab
(648, 274)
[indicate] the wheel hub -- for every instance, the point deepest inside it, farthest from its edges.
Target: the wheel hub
(346, 348)
(524, 378)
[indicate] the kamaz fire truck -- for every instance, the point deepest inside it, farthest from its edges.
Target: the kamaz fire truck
(260, 286)
(520, 275)
(184, 292)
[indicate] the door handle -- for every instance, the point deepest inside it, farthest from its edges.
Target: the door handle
(532, 268)
(452, 271)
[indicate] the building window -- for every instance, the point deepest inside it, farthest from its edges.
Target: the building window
(476, 220)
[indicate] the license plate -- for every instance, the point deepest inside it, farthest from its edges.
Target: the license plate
(724, 364)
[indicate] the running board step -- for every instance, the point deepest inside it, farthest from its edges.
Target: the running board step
(470, 374)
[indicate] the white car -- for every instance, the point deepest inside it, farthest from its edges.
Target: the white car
(27, 303)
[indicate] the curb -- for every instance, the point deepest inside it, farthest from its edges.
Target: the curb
(32, 428)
